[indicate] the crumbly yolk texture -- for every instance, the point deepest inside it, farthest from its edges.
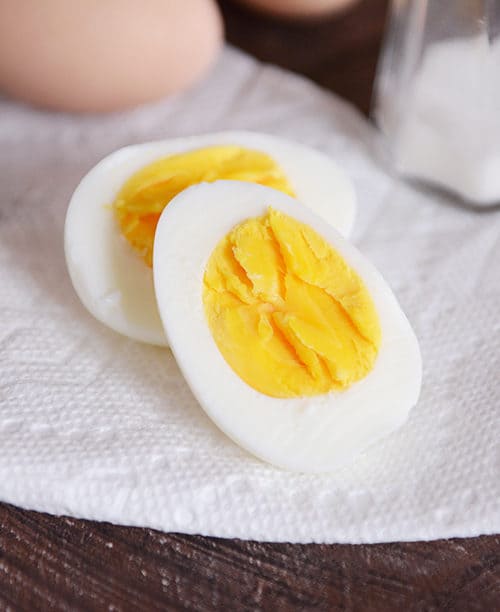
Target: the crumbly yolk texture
(143, 197)
(288, 314)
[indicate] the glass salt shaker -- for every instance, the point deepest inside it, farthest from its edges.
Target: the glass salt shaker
(437, 95)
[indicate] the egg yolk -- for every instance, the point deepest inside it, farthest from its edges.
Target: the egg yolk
(288, 314)
(143, 197)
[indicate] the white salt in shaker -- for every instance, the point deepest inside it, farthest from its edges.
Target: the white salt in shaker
(437, 94)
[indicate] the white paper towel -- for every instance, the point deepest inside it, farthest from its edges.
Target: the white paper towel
(94, 425)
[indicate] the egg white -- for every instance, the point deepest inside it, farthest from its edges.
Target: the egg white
(313, 434)
(113, 282)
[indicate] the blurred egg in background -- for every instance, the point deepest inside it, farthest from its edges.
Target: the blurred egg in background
(91, 56)
(294, 9)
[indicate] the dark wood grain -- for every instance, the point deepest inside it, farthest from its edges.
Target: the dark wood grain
(50, 563)
(69, 564)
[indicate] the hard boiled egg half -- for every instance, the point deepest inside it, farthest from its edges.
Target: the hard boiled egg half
(112, 216)
(289, 338)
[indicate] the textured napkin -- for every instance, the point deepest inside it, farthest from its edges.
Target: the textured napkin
(94, 425)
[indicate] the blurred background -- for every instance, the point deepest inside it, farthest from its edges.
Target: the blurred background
(94, 57)
(337, 50)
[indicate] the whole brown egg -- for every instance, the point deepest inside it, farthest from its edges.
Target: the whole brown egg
(95, 55)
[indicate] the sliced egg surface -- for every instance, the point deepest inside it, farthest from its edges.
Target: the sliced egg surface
(289, 338)
(112, 215)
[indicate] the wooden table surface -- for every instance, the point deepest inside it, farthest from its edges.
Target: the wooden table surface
(67, 564)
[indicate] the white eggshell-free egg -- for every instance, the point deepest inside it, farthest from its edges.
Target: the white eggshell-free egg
(110, 278)
(313, 434)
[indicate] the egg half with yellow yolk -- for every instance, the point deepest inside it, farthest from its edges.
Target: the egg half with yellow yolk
(112, 216)
(289, 338)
